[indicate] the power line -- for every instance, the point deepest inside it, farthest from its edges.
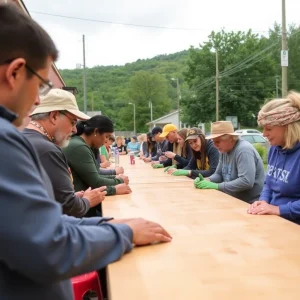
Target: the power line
(126, 24)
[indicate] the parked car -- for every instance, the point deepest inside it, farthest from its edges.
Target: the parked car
(256, 138)
(246, 131)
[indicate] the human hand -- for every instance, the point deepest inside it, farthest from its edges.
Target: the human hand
(154, 162)
(170, 167)
(119, 170)
(262, 207)
(146, 232)
(170, 154)
(147, 159)
(124, 178)
(205, 184)
(105, 164)
(181, 173)
(95, 196)
(171, 171)
(157, 166)
(79, 194)
(122, 189)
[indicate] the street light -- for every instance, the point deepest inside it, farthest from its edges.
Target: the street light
(179, 98)
(134, 129)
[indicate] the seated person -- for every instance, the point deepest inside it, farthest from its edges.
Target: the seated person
(105, 152)
(183, 154)
(161, 146)
(120, 145)
(81, 159)
(240, 172)
(133, 145)
(280, 119)
(169, 132)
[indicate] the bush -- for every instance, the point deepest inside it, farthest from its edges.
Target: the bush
(262, 151)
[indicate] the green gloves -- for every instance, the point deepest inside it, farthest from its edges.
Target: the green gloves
(157, 166)
(181, 173)
(170, 167)
(197, 180)
(205, 184)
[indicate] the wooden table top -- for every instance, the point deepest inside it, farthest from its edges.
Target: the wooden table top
(218, 250)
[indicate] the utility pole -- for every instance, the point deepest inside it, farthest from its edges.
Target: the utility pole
(134, 128)
(84, 77)
(277, 88)
(178, 103)
(284, 52)
(151, 112)
(217, 86)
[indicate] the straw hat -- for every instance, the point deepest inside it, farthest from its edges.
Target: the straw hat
(221, 128)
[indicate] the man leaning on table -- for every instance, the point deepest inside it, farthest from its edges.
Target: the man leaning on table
(240, 172)
(40, 248)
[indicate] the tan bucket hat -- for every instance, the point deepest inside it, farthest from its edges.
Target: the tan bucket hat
(58, 99)
(221, 128)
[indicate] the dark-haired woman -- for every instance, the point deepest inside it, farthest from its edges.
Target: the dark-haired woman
(205, 157)
(81, 159)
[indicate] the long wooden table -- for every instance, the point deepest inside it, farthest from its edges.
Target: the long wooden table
(218, 250)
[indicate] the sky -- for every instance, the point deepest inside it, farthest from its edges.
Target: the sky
(185, 23)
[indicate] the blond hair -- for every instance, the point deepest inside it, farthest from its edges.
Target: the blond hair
(292, 133)
(142, 137)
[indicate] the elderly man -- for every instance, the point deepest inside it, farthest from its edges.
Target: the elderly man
(41, 248)
(50, 128)
(240, 172)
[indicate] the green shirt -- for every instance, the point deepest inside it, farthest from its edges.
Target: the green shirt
(85, 169)
(103, 151)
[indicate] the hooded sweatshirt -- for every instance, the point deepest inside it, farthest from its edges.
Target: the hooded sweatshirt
(282, 183)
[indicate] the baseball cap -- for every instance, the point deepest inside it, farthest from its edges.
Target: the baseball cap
(58, 99)
(167, 129)
(156, 130)
(193, 133)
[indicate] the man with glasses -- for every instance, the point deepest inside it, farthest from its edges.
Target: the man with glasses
(52, 124)
(41, 248)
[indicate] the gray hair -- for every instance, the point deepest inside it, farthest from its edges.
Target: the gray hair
(228, 136)
(41, 116)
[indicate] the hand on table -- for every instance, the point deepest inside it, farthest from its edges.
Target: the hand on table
(122, 189)
(262, 207)
(146, 232)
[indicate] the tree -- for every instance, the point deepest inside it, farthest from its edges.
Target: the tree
(145, 87)
(243, 87)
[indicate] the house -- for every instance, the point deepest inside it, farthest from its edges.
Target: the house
(166, 119)
(171, 118)
(54, 74)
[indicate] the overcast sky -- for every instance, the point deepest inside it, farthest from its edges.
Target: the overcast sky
(113, 44)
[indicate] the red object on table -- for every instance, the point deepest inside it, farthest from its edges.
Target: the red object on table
(84, 283)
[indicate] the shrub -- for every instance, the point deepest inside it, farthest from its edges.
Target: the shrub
(262, 151)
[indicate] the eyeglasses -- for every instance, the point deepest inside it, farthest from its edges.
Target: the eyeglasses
(47, 85)
(73, 121)
(44, 88)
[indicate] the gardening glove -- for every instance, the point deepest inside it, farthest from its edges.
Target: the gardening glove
(205, 184)
(181, 173)
(170, 167)
(197, 180)
(157, 166)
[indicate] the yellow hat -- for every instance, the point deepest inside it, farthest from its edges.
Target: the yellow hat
(58, 99)
(167, 129)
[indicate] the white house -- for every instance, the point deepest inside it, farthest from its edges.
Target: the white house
(171, 118)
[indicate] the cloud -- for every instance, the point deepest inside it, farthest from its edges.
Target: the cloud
(109, 44)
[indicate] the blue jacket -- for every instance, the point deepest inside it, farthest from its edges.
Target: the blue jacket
(40, 249)
(282, 183)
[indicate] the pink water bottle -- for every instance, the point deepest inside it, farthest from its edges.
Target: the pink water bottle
(131, 156)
